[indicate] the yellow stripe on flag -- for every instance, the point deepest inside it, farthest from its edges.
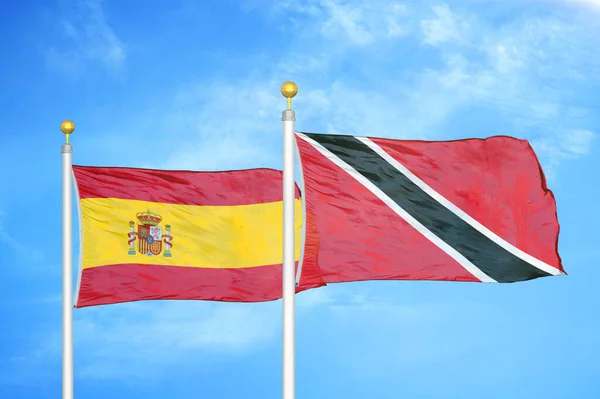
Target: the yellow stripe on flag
(202, 236)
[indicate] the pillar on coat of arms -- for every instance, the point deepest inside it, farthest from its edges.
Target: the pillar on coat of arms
(168, 238)
(132, 235)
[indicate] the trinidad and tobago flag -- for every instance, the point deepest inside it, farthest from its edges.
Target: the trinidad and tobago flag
(467, 210)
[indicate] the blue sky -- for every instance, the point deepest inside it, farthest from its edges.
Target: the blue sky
(195, 85)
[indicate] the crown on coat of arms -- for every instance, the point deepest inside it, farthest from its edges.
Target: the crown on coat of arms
(148, 218)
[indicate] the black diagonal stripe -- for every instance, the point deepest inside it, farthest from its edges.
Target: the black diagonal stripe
(488, 256)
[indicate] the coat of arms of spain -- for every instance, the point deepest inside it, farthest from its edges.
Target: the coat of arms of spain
(150, 235)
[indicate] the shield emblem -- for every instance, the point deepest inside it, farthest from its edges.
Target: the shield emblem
(155, 240)
(150, 240)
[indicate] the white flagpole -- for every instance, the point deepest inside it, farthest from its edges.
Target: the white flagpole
(289, 90)
(67, 127)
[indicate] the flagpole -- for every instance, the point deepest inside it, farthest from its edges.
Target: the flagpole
(67, 127)
(289, 90)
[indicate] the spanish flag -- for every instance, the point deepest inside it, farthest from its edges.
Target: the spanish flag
(156, 234)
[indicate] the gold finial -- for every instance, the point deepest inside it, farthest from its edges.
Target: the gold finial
(289, 90)
(67, 128)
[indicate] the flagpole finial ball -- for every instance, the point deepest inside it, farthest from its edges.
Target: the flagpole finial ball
(67, 127)
(289, 89)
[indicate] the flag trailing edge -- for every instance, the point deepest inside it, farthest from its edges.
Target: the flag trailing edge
(158, 234)
(465, 210)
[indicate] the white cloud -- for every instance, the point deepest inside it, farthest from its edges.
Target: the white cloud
(235, 124)
(350, 22)
(578, 142)
(362, 24)
(444, 28)
(143, 339)
(314, 299)
(593, 5)
(22, 251)
(560, 146)
(88, 39)
(387, 335)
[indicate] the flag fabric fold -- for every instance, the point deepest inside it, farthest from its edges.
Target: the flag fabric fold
(157, 234)
(467, 210)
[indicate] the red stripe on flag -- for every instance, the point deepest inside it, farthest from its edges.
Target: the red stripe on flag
(240, 187)
(135, 282)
